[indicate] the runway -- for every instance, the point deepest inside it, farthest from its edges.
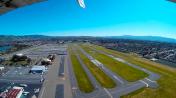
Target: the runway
(123, 87)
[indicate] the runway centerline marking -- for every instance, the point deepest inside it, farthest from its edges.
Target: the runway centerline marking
(118, 79)
(108, 93)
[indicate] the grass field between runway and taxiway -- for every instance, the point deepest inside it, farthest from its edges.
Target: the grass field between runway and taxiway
(102, 78)
(83, 81)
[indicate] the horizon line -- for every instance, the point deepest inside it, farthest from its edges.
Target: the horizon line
(86, 35)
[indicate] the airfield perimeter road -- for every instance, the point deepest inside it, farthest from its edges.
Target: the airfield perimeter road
(124, 87)
(53, 80)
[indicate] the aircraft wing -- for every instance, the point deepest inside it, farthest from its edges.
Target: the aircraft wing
(8, 5)
(81, 3)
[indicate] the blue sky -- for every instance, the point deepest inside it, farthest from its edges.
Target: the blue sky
(100, 18)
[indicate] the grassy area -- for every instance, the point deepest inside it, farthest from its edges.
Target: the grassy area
(100, 76)
(167, 81)
(83, 81)
(125, 71)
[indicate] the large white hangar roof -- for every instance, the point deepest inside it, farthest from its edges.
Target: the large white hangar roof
(8, 5)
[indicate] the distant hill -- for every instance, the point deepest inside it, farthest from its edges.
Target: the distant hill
(147, 38)
(7, 38)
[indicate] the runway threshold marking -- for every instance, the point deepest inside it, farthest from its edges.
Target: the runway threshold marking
(108, 93)
(150, 80)
(144, 83)
(118, 79)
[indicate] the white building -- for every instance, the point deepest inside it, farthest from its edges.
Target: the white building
(1, 68)
(38, 69)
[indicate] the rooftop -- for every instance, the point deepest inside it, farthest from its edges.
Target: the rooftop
(38, 68)
(13, 93)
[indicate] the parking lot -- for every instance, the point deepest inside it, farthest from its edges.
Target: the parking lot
(20, 75)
